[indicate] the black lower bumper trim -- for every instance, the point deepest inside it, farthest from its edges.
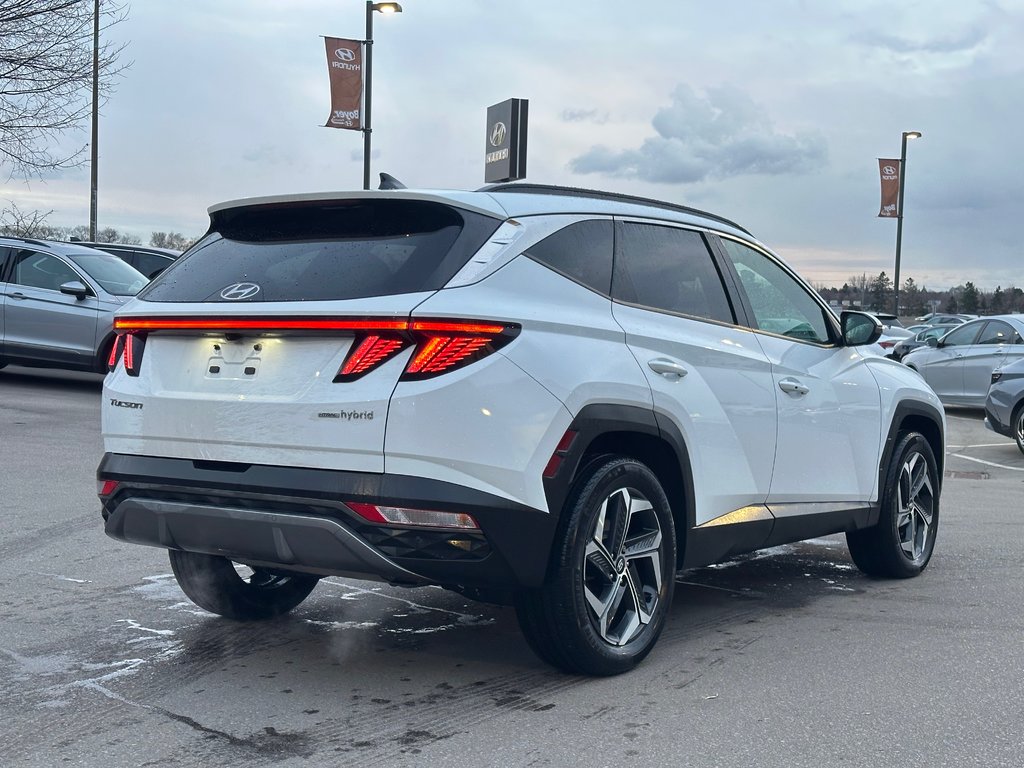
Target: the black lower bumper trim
(311, 544)
(295, 518)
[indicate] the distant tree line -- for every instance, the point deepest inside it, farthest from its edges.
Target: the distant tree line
(876, 293)
(32, 224)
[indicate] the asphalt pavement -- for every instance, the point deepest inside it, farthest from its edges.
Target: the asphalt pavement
(788, 657)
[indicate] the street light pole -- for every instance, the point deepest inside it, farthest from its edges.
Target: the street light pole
(368, 90)
(95, 119)
(899, 212)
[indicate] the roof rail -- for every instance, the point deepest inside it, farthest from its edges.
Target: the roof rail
(551, 189)
(28, 240)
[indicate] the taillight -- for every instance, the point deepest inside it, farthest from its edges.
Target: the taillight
(440, 345)
(127, 347)
(887, 344)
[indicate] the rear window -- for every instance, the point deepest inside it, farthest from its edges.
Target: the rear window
(349, 249)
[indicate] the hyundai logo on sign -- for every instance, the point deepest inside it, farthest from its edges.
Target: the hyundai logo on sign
(505, 156)
(239, 291)
(498, 134)
(344, 54)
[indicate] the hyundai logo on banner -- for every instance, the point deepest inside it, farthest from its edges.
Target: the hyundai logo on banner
(505, 153)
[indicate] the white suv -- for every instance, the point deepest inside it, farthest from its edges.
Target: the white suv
(550, 397)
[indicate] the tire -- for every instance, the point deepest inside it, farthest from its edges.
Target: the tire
(1018, 426)
(610, 584)
(213, 583)
(900, 545)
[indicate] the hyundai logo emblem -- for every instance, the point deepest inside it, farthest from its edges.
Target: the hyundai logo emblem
(344, 54)
(498, 135)
(888, 170)
(239, 291)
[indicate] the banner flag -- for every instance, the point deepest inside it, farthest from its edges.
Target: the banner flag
(345, 67)
(889, 174)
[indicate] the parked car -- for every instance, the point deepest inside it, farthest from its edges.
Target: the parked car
(58, 303)
(1004, 405)
(949, 319)
(959, 365)
(545, 396)
(148, 259)
(888, 340)
(919, 339)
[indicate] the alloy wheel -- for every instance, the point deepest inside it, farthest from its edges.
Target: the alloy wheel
(622, 569)
(915, 498)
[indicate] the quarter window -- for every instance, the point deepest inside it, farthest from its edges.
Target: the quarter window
(582, 252)
(781, 305)
(668, 269)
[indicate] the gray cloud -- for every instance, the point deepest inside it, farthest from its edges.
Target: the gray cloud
(720, 135)
(584, 116)
(965, 40)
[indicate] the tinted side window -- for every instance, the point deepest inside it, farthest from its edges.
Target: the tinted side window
(961, 336)
(668, 269)
(149, 264)
(41, 270)
(996, 333)
(581, 251)
(4, 257)
(781, 304)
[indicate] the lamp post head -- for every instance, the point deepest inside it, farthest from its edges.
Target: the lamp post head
(912, 134)
(387, 7)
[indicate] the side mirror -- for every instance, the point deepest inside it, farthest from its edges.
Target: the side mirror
(75, 288)
(859, 328)
(931, 341)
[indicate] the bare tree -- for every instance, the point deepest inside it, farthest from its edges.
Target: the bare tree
(174, 240)
(19, 223)
(46, 52)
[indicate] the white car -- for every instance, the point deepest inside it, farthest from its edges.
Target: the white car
(552, 397)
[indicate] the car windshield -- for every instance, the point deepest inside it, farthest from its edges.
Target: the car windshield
(114, 275)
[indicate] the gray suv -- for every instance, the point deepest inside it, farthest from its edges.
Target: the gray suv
(57, 303)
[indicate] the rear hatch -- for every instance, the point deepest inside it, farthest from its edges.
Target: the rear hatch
(280, 337)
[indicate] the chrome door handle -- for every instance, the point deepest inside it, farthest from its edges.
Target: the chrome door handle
(16, 295)
(667, 368)
(793, 387)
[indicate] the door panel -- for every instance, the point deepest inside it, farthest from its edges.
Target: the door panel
(828, 402)
(710, 378)
(40, 321)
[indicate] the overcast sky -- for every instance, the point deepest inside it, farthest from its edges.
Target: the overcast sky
(769, 113)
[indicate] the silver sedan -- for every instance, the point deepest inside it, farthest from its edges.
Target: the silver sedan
(959, 365)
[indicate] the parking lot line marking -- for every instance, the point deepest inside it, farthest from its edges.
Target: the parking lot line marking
(979, 445)
(990, 463)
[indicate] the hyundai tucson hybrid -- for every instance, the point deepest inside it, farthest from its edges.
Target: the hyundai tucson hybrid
(531, 395)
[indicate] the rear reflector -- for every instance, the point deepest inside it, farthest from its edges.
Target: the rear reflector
(424, 518)
(106, 487)
(560, 452)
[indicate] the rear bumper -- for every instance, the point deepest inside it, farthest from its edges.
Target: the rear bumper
(295, 518)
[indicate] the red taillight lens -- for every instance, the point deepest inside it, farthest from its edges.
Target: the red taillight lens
(887, 344)
(560, 452)
(368, 354)
(134, 344)
(115, 353)
(127, 347)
